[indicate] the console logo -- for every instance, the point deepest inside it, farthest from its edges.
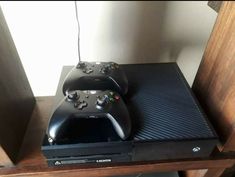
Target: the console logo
(196, 149)
(103, 160)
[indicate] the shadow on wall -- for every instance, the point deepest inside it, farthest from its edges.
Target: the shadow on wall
(143, 30)
(145, 33)
(139, 31)
(148, 43)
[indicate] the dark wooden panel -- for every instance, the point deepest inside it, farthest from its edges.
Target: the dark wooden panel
(17, 100)
(215, 80)
(215, 83)
(230, 172)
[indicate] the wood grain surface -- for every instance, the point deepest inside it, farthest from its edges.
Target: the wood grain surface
(215, 83)
(16, 101)
(215, 80)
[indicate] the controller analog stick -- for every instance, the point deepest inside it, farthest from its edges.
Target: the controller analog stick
(73, 96)
(81, 65)
(102, 101)
(105, 69)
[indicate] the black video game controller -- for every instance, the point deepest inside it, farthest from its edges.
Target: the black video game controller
(90, 104)
(96, 76)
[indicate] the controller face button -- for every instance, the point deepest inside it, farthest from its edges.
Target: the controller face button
(117, 97)
(111, 99)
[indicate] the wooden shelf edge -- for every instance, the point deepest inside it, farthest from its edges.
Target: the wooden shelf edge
(117, 169)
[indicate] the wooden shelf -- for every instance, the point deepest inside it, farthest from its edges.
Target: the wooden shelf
(32, 162)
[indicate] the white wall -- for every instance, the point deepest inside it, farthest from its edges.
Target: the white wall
(45, 34)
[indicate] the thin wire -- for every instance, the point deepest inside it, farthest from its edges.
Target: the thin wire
(76, 10)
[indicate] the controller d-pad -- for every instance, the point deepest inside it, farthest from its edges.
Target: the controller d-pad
(113, 66)
(80, 105)
(104, 70)
(88, 70)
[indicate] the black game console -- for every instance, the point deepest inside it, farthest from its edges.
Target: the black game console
(167, 123)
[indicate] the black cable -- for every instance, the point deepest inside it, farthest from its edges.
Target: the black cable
(76, 10)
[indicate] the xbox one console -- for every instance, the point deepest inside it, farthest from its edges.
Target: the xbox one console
(166, 119)
(96, 76)
(89, 104)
